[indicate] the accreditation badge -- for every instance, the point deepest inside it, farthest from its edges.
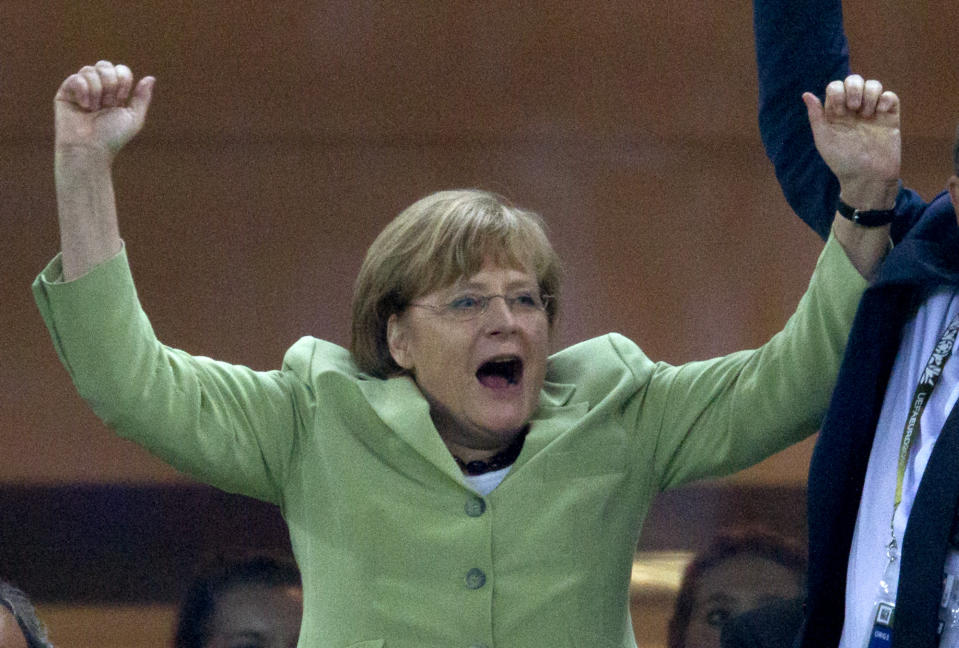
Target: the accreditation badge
(881, 635)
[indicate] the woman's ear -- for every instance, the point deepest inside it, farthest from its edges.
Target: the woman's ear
(398, 340)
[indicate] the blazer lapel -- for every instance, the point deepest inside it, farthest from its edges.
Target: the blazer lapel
(401, 406)
(555, 415)
(926, 542)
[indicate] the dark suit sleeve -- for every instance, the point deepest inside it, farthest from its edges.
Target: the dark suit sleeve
(800, 46)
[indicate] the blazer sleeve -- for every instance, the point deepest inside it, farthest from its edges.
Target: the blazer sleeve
(714, 417)
(223, 424)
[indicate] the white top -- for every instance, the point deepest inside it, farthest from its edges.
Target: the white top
(485, 483)
(867, 559)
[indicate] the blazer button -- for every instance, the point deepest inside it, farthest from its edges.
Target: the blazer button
(475, 507)
(475, 578)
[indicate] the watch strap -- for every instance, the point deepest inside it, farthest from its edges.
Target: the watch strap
(866, 217)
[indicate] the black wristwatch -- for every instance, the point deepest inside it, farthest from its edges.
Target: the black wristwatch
(866, 217)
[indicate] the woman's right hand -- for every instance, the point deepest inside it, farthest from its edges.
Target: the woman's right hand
(98, 110)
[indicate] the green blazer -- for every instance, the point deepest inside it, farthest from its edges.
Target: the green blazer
(395, 550)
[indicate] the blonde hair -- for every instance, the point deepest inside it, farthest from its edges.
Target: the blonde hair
(430, 245)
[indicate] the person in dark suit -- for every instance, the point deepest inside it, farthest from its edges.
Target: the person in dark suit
(883, 482)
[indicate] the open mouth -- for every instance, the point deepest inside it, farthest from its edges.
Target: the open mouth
(499, 373)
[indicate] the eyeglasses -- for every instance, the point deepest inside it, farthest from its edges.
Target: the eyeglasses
(469, 306)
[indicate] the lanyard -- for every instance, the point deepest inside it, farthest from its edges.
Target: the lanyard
(881, 635)
(927, 382)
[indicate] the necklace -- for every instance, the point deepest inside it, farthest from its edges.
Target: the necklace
(501, 459)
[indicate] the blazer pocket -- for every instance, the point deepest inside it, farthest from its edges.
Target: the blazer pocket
(608, 460)
(372, 643)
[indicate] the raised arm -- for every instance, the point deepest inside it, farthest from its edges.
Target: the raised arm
(97, 111)
(856, 132)
(224, 424)
(801, 47)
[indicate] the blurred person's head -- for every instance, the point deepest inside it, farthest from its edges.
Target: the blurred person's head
(19, 625)
(242, 601)
(741, 570)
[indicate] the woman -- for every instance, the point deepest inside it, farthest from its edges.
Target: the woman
(444, 481)
(241, 601)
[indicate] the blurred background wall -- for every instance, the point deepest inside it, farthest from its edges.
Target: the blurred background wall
(284, 135)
